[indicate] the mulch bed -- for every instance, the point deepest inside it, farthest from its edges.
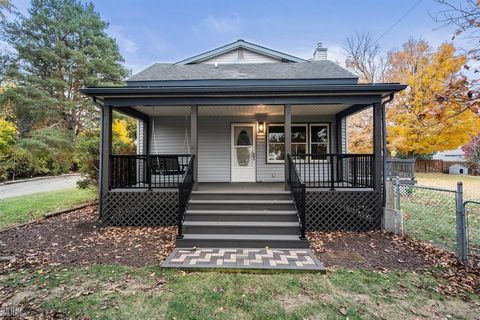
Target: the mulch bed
(374, 250)
(381, 251)
(74, 238)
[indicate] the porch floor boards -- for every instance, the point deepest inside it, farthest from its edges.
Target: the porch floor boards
(240, 187)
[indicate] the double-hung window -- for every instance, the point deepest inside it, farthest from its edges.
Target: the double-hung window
(276, 141)
(319, 140)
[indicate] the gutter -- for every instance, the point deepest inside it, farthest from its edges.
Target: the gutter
(243, 89)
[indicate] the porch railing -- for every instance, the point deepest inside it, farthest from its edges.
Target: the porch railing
(297, 187)
(335, 170)
(184, 190)
(148, 171)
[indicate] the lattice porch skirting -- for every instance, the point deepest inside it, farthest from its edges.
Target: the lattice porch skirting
(343, 210)
(140, 208)
(325, 210)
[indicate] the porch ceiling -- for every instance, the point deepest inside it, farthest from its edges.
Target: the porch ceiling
(244, 110)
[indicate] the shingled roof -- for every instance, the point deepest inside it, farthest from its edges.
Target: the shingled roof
(323, 69)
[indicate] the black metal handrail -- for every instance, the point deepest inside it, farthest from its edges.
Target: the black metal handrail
(335, 170)
(184, 190)
(297, 187)
(147, 171)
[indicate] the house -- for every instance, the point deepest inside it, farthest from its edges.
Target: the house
(458, 169)
(243, 146)
(450, 155)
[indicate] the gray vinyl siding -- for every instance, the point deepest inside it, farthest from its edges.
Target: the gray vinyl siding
(214, 149)
(240, 56)
(140, 149)
(344, 135)
(168, 135)
(214, 140)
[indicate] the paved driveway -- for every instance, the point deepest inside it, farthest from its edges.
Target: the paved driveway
(41, 185)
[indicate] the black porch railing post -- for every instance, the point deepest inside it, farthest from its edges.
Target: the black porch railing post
(180, 210)
(297, 188)
(302, 213)
(355, 171)
(185, 188)
(149, 172)
(332, 173)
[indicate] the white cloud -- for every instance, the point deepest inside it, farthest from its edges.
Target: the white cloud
(229, 24)
(126, 44)
(154, 41)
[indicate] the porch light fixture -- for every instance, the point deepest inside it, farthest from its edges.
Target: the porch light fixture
(260, 127)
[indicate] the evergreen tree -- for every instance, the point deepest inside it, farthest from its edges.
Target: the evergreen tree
(59, 47)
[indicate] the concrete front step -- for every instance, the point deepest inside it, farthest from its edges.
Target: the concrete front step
(242, 215)
(241, 205)
(202, 195)
(241, 241)
(241, 227)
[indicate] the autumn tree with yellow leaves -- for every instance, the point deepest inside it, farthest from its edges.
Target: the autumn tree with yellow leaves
(437, 111)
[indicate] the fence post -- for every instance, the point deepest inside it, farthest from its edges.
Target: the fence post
(397, 192)
(461, 226)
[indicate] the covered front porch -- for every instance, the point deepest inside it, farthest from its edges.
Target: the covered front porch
(243, 143)
(244, 140)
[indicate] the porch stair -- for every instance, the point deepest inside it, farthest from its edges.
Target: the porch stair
(241, 220)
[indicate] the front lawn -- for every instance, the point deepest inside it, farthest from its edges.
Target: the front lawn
(29, 207)
(119, 292)
(471, 184)
(430, 215)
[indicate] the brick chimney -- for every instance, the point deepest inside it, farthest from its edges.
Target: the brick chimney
(320, 53)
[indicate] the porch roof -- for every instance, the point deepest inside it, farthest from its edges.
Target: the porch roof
(239, 88)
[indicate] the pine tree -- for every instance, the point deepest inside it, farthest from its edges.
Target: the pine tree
(58, 48)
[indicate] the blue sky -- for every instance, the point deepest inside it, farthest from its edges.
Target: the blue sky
(149, 31)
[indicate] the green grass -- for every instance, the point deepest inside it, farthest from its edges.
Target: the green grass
(117, 292)
(29, 207)
(430, 215)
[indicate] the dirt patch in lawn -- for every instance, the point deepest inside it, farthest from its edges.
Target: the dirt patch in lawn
(366, 250)
(75, 239)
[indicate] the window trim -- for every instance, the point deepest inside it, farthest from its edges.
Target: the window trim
(308, 146)
(314, 124)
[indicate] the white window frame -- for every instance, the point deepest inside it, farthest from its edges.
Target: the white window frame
(307, 142)
(323, 124)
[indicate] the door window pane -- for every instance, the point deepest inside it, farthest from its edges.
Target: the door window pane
(242, 156)
(243, 136)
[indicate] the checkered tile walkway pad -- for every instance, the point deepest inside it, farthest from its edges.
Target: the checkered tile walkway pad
(290, 259)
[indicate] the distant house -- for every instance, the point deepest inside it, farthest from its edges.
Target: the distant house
(243, 146)
(450, 155)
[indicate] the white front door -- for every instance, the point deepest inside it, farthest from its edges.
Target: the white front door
(243, 152)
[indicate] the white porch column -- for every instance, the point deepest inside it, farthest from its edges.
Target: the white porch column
(287, 113)
(194, 142)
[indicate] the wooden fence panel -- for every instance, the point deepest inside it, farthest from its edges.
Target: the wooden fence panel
(439, 166)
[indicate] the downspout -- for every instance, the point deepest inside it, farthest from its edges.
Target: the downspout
(384, 142)
(100, 171)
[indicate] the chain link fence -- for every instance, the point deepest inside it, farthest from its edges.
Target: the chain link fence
(440, 216)
(472, 214)
(428, 214)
